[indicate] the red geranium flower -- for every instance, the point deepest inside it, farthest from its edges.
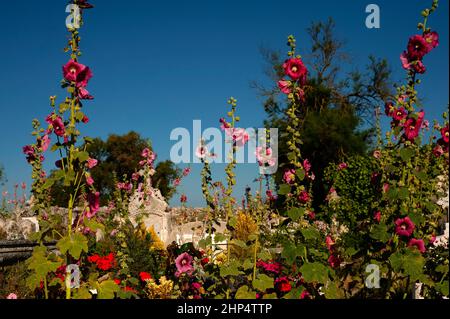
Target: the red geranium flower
(404, 227)
(145, 276)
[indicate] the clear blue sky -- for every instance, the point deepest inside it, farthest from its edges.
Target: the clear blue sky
(161, 64)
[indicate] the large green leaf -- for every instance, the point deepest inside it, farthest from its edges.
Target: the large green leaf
(106, 289)
(310, 233)
(314, 272)
(245, 293)
(410, 261)
(380, 233)
(74, 244)
(284, 189)
(230, 269)
(41, 264)
(263, 282)
(291, 252)
(295, 213)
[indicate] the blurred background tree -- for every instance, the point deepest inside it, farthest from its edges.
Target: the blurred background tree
(118, 158)
(337, 118)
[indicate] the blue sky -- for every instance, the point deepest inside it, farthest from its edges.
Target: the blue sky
(161, 65)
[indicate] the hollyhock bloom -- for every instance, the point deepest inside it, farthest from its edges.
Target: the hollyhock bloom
(176, 182)
(342, 166)
(432, 38)
(186, 171)
(77, 72)
(270, 195)
(304, 197)
(83, 94)
(204, 261)
(91, 163)
(438, 151)
(184, 264)
(405, 61)
(45, 143)
(306, 165)
(329, 242)
(11, 296)
(58, 126)
(282, 284)
(239, 135)
(146, 152)
(224, 124)
(445, 134)
(145, 276)
(201, 152)
(377, 154)
(385, 187)
(284, 86)
(389, 108)
(399, 114)
(334, 261)
(305, 295)
(183, 198)
(85, 119)
(28, 150)
(83, 4)
(89, 180)
(135, 176)
(311, 215)
(404, 227)
(433, 239)
(94, 204)
(417, 243)
(289, 176)
(264, 156)
(419, 67)
(272, 267)
(296, 70)
(377, 216)
(418, 47)
(412, 126)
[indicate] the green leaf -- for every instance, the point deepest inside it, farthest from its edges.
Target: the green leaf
(233, 221)
(406, 154)
(48, 183)
(380, 233)
(79, 115)
(41, 264)
(408, 260)
(443, 288)
(239, 243)
(82, 156)
(264, 255)
(218, 237)
(270, 296)
(294, 293)
(248, 264)
(284, 189)
(332, 290)
(300, 174)
(245, 293)
(310, 233)
(403, 193)
(314, 272)
(231, 269)
(262, 282)
(291, 252)
(295, 213)
(82, 293)
(93, 224)
(106, 289)
(74, 244)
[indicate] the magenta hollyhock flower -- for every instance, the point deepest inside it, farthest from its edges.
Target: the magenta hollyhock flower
(342, 166)
(432, 38)
(438, 151)
(28, 150)
(45, 143)
(270, 195)
(405, 61)
(419, 67)
(94, 204)
(417, 243)
(296, 70)
(389, 108)
(224, 124)
(273, 267)
(311, 215)
(58, 126)
(75, 72)
(445, 134)
(83, 94)
(284, 86)
(145, 152)
(304, 197)
(334, 261)
(418, 47)
(289, 176)
(377, 216)
(11, 296)
(306, 165)
(282, 284)
(305, 295)
(412, 126)
(329, 242)
(186, 171)
(184, 264)
(91, 163)
(176, 182)
(183, 198)
(399, 114)
(404, 227)
(135, 176)
(85, 119)
(89, 180)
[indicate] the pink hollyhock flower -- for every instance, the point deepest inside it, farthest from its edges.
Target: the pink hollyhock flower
(419, 67)
(186, 171)
(201, 152)
(264, 156)
(58, 126)
(176, 182)
(146, 152)
(342, 166)
(334, 261)
(445, 134)
(91, 163)
(329, 242)
(305, 295)
(432, 239)
(412, 126)
(432, 38)
(29, 151)
(45, 143)
(272, 267)
(418, 47)
(389, 108)
(400, 114)
(304, 197)
(296, 70)
(306, 165)
(404, 227)
(184, 264)
(282, 284)
(183, 198)
(377, 216)
(405, 61)
(135, 176)
(417, 243)
(311, 215)
(289, 176)
(425, 125)
(77, 72)
(94, 204)
(83, 94)
(11, 296)
(85, 119)
(239, 135)
(377, 154)
(89, 180)
(438, 151)
(284, 86)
